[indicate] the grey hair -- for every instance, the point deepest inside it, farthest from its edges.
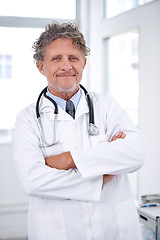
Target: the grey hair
(55, 31)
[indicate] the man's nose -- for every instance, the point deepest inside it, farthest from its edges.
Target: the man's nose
(66, 65)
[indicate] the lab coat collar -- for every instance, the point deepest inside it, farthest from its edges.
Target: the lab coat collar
(48, 107)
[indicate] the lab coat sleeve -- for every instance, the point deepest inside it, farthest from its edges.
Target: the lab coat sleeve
(39, 180)
(106, 157)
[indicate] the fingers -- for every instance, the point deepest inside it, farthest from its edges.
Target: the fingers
(120, 135)
(107, 178)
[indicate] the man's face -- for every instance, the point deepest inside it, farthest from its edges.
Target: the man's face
(63, 67)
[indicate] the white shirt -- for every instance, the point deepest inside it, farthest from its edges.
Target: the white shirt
(62, 103)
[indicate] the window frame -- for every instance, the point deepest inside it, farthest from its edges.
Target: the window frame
(27, 22)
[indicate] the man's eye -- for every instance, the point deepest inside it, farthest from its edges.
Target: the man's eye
(74, 58)
(56, 59)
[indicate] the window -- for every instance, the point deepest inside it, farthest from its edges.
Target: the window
(19, 28)
(16, 94)
(122, 57)
(6, 135)
(5, 66)
(61, 9)
(115, 7)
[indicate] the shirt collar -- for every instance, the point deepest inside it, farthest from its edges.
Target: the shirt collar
(62, 103)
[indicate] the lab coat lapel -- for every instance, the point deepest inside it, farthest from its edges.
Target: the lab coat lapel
(46, 105)
(63, 115)
(82, 107)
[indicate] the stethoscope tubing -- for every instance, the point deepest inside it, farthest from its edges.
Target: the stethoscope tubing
(90, 105)
(44, 91)
(92, 128)
(88, 99)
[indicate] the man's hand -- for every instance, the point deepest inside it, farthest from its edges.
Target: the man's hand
(61, 161)
(107, 178)
(120, 135)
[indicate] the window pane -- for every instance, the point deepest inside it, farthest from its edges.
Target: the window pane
(6, 135)
(5, 66)
(122, 71)
(65, 9)
(115, 7)
(26, 82)
(8, 71)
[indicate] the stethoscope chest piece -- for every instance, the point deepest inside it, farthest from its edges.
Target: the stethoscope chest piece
(92, 129)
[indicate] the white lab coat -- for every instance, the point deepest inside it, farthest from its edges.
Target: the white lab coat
(74, 204)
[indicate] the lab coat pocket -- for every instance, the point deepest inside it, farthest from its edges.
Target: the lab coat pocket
(50, 227)
(128, 223)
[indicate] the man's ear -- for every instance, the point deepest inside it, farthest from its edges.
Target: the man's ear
(85, 60)
(40, 66)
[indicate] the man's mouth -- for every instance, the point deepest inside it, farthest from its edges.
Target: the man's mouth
(66, 75)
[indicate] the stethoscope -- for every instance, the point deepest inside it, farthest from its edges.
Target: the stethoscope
(92, 128)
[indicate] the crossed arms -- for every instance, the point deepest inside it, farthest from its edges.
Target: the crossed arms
(64, 161)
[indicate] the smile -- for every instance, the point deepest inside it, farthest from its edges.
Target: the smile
(66, 75)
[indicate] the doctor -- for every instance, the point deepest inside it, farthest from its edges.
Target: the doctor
(77, 184)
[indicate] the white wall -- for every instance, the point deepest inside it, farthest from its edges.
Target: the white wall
(13, 202)
(147, 19)
(150, 98)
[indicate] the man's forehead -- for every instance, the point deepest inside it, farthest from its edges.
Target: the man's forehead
(63, 41)
(63, 46)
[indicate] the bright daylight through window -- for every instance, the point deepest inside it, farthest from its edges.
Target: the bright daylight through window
(20, 80)
(122, 56)
(61, 9)
(115, 7)
(5, 66)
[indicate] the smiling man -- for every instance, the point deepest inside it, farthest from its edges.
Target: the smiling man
(63, 65)
(74, 149)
